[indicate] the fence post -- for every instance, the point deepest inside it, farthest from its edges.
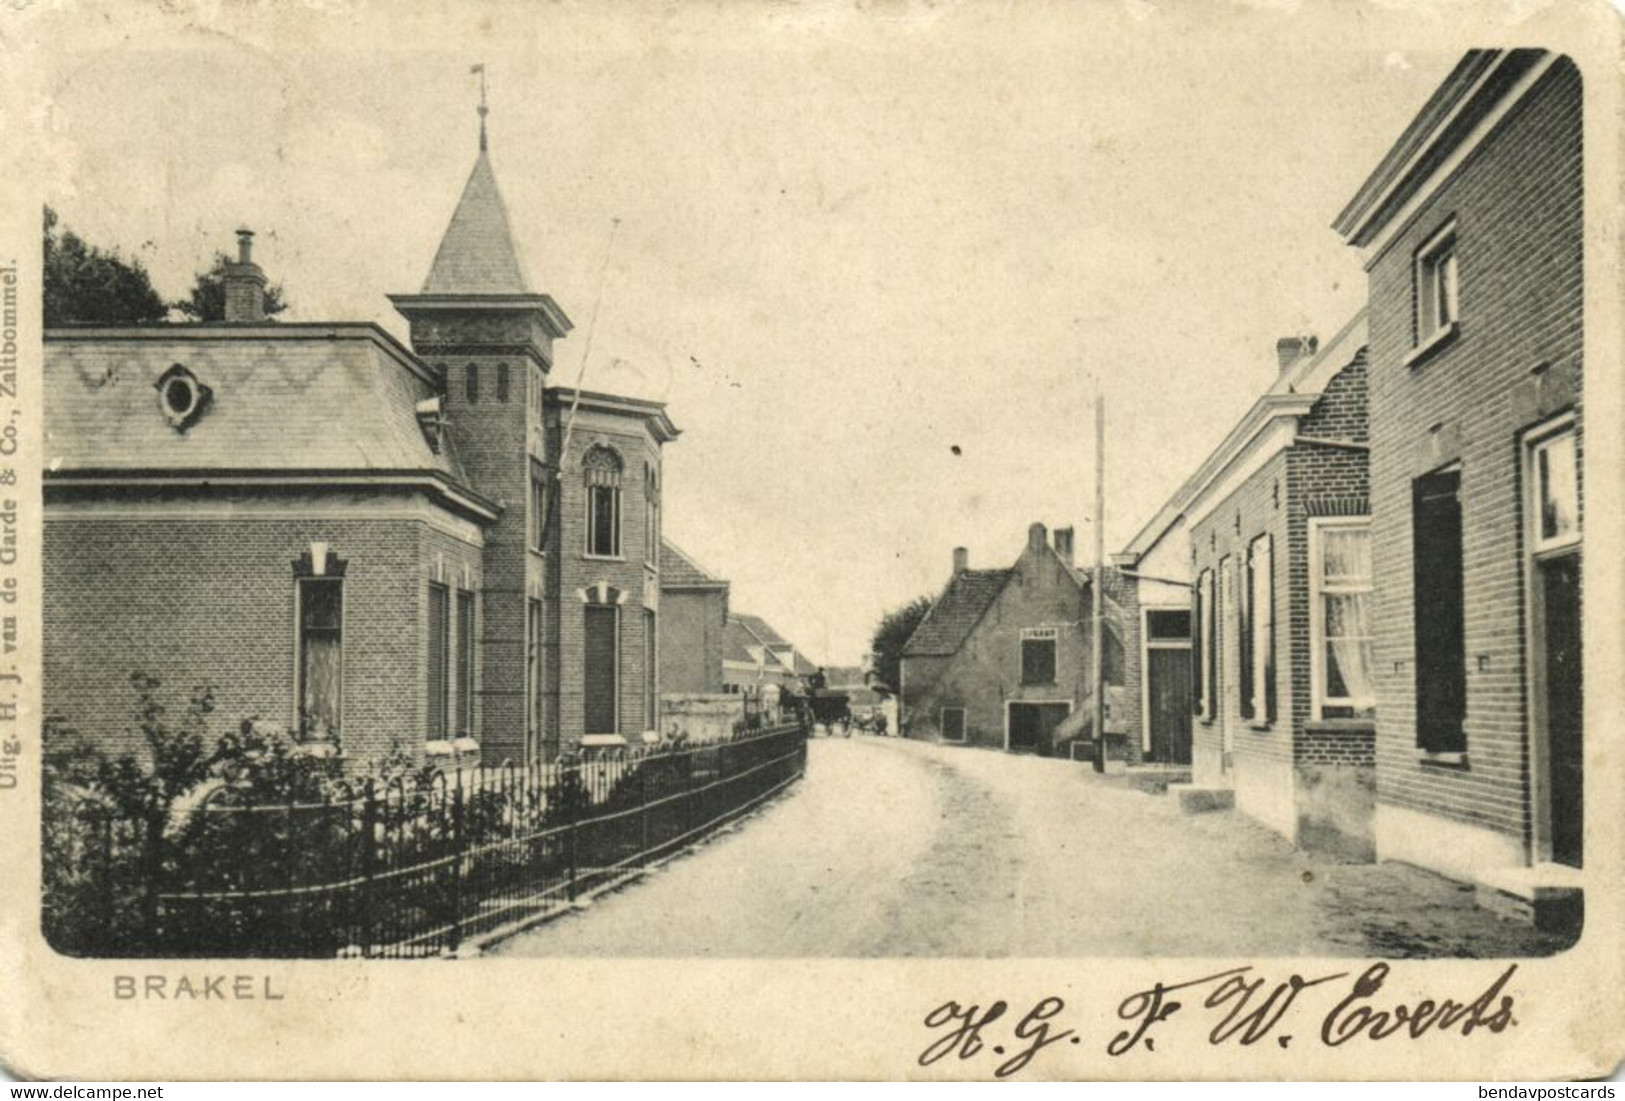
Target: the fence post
(643, 806)
(574, 813)
(369, 866)
(458, 844)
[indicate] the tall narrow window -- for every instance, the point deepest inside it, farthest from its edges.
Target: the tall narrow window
(439, 678)
(465, 663)
(321, 656)
(601, 654)
(1436, 284)
(651, 514)
(1038, 655)
(1438, 598)
(538, 508)
(603, 474)
(651, 702)
(502, 382)
(1258, 633)
(535, 678)
(1342, 656)
(471, 383)
(1202, 651)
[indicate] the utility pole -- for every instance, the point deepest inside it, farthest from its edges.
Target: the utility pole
(1097, 638)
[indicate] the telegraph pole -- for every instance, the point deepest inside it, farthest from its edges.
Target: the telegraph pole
(1097, 638)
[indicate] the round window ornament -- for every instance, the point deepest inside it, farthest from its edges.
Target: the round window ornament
(182, 398)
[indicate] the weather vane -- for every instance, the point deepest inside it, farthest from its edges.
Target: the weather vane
(483, 109)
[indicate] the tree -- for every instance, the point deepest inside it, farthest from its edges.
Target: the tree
(86, 284)
(892, 635)
(207, 299)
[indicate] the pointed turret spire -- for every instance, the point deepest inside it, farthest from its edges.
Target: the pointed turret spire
(477, 255)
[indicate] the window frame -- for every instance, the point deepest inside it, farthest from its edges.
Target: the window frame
(1319, 701)
(1203, 650)
(300, 684)
(1542, 437)
(438, 695)
(464, 668)
(1256, 639)
(1051, 635)
(611, 485)
(1429, 324)
(614, 611)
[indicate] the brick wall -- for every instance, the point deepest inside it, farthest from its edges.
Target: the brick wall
(1517, 205)
(692, 623)
(211, 602)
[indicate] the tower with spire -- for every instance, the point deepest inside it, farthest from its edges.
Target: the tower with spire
(557, 669)
(490, 337)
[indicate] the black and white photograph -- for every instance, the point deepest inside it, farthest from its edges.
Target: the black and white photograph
(1036, 507)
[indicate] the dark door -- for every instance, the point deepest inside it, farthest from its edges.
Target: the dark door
(1031, 724)
(1169, 686)
(599, 686)
(1559, 597)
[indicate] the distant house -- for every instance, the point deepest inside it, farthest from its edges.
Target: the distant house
(756, 656)
(1002, 659)
(1279, 530)
(1473, 234)
(693, 624)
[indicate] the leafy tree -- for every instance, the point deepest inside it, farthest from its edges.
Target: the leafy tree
(207, 299)
(87, 284)
(892, 635)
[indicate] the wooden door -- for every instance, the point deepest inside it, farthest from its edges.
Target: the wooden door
(1168, 685)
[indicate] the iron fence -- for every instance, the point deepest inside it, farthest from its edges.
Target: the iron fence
(413, 867)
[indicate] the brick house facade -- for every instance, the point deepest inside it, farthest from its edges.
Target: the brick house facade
(1472, 232)
(1278, 523)
(367, 546)
(1002, 659)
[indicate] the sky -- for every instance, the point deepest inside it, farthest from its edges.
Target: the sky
(875, 258)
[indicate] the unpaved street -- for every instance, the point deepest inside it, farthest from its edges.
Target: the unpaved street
(896, 848)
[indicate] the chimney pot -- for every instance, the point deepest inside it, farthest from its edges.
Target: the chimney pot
(244, 283)
(961, 560)
(1037, 536)
(1291, 349)
(1064, 544)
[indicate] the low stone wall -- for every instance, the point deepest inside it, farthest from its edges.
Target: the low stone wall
(700, 716)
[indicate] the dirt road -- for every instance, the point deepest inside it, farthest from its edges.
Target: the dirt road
(895, 848)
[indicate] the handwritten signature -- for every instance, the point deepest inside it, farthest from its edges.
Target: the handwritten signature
(1237, 1006)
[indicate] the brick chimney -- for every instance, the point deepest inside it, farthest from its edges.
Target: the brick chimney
(244, 283)
(1063, 544)
(1290, 349)
(961, 560)
(1037, 536)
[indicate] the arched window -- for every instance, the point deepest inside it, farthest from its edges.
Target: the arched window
(502, 382)
(602, 468)
(471, 378)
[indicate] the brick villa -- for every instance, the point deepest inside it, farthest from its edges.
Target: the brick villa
(380, 547)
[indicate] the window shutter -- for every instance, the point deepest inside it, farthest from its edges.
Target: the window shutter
(1245, 613)
(1269, 627)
